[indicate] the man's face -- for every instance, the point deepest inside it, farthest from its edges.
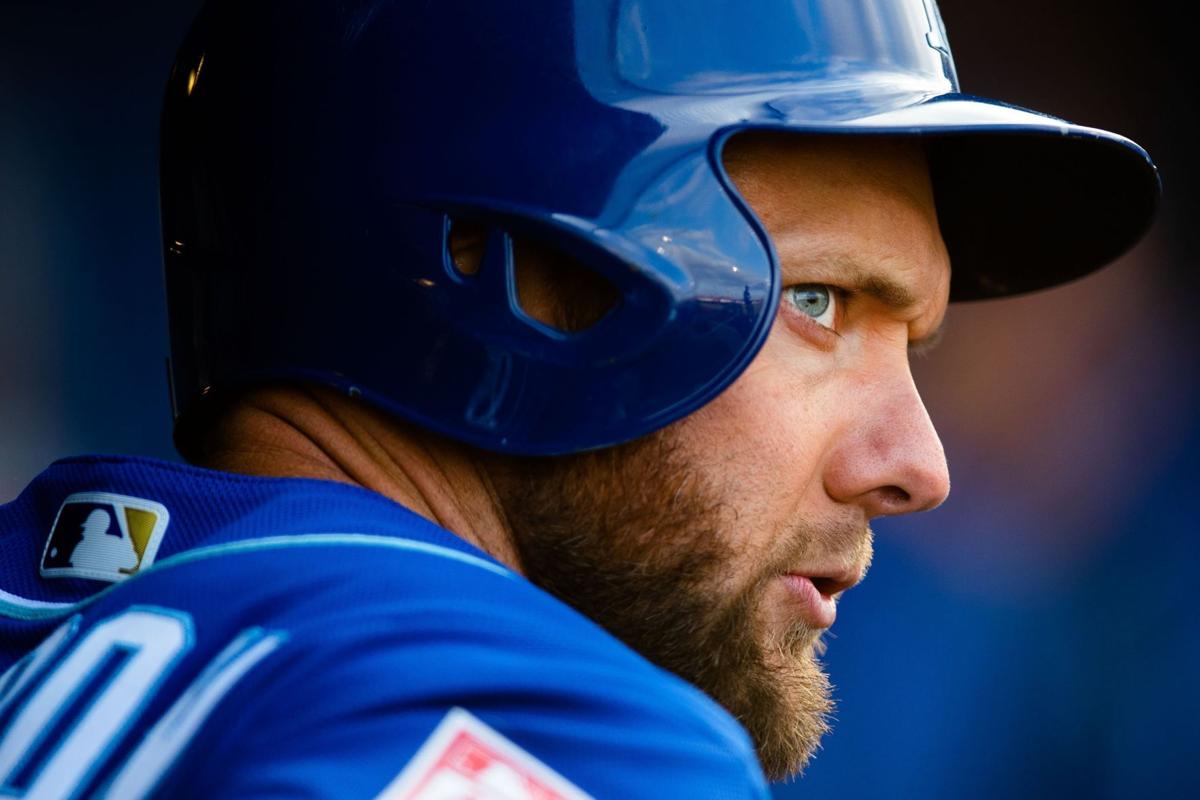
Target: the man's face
(718, 546)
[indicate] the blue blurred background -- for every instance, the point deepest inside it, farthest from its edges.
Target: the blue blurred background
(1035, 637)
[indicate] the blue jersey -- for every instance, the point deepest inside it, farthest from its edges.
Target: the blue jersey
(167, 631)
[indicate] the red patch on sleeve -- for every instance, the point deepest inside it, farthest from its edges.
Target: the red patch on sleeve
(464, 759)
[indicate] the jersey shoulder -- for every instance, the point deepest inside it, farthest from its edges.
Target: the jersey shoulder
(251, 652)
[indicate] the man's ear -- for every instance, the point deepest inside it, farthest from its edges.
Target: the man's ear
(557, 289)
(554, 288)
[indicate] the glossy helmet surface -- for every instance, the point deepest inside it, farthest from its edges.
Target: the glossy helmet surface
(316, 155)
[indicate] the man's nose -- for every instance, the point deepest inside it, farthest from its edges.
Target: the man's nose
(889, 459)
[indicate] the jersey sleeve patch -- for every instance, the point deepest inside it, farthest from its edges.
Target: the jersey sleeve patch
(464, 759)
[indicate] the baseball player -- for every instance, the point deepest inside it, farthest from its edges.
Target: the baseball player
(541, 368)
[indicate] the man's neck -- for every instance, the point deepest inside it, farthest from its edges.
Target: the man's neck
(314, 432)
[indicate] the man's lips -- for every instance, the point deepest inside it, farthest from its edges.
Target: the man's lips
(816, 593)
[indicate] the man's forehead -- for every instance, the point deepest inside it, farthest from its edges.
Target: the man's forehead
(768, 151)
(826, 189)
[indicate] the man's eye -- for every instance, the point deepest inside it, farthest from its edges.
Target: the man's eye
(814, 300)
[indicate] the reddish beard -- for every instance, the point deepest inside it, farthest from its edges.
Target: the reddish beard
(632, 537)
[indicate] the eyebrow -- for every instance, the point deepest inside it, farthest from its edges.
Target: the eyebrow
(858, 279)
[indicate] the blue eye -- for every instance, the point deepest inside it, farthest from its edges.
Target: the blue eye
(814, 300)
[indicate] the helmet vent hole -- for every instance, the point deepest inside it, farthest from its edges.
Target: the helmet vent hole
(558, 290)
(466, 242)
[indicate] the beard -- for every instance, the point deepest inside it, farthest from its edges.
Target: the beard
(636, 539)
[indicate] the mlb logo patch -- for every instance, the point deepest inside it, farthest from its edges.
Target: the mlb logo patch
(464, 759)
(102, 536)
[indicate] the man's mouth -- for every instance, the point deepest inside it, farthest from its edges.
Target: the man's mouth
(816, 593)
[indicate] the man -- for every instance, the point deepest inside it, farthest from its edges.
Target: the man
(606, 308)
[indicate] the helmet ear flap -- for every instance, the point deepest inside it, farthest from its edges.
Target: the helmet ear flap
(560, 276)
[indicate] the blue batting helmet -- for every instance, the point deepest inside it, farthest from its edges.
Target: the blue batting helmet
(316, 156)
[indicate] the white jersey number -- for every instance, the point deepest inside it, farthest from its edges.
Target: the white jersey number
(79, 710)
(104, 682)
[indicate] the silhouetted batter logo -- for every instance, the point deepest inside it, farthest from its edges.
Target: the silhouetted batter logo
(103, 536)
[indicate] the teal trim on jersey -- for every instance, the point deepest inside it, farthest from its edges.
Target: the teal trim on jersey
(22, 608)
(15, 607)
(322, 539)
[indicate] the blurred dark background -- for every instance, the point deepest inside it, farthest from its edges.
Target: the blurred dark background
(1035, 637)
